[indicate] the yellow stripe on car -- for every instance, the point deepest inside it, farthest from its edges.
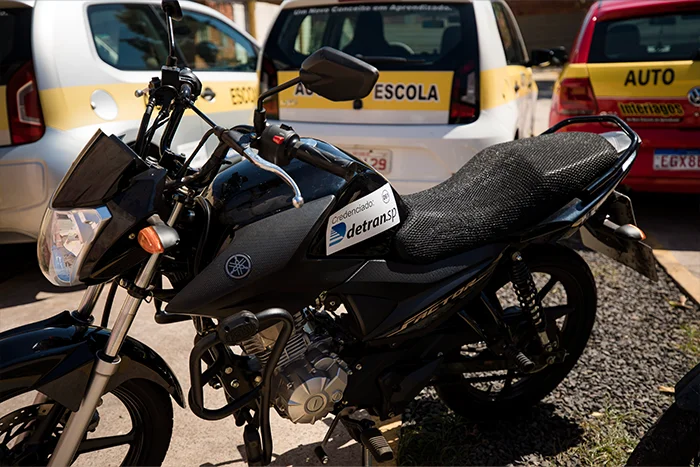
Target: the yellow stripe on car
(498, 85)
(70, 107)
(638, 79)
(4, 123)
(395, 90)
(418, 90)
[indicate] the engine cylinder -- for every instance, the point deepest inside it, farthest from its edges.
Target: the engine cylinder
(308, 388)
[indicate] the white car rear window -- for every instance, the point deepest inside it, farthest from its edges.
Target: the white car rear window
(423, 35)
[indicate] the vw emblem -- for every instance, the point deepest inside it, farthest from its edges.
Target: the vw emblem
(694, 96)
(238, 266)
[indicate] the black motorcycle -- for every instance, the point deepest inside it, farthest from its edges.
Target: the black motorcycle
(349, 305)
(675, 437)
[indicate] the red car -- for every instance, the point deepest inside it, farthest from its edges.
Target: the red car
(640, 59)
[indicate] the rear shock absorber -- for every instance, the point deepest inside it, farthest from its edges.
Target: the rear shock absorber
(526, 291)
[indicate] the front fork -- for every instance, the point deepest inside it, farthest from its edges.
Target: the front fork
(107, 360)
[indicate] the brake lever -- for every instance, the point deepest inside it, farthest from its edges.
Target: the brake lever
(248, 153)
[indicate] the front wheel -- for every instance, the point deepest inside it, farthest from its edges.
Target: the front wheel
(568, 295)
(673, 440)
(132, 426)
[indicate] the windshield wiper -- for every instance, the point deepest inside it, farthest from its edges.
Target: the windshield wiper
(387, 59)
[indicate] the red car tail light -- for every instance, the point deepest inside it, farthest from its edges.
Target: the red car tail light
(576, 97)
(268, 80)
(26, 119)
(463, 104)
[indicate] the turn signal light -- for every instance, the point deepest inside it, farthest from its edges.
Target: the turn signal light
(150, 240)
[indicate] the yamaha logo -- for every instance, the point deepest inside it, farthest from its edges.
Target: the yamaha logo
(238, 266)
(694, 96)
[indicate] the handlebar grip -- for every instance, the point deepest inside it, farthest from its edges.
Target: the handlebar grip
(232, 139)
(324, 161)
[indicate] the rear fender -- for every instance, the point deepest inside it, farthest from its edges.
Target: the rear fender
(55, 356)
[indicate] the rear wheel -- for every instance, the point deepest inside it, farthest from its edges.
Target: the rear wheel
(132, 426)
(568, 295)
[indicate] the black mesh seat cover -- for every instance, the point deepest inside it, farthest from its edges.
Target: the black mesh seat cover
(503, 189)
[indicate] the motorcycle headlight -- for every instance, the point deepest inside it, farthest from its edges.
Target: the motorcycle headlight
(64, 241)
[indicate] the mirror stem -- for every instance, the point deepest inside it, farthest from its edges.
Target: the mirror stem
(172, 59)
(259, 119)
(275, 90)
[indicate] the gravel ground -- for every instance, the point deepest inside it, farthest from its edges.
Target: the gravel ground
(642, 341)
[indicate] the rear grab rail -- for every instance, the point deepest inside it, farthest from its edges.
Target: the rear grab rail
(623, 163)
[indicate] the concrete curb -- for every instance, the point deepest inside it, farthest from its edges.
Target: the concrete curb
(685, 280)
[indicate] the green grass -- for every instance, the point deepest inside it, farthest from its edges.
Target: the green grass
(447, 439)
(606, 440)
(691, 341)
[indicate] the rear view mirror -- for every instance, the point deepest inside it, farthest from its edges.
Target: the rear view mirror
(337, 76)
(546, 57)
(172, 9)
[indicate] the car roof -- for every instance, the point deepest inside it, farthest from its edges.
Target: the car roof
(305, 3)
(16, 3)
(611, 9)
(186, 5)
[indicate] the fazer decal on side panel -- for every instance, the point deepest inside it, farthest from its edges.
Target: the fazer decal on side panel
(362, 219)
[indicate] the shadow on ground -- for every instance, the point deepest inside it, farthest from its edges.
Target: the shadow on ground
(673, 219)
(443, 438)
(340, 448)
(21, 280)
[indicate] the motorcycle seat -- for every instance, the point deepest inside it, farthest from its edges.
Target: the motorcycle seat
(503, 189)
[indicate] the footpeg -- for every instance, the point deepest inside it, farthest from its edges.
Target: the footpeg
(521, 360)
(374, 441)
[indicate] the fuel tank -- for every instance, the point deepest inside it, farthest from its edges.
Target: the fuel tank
(267, 253)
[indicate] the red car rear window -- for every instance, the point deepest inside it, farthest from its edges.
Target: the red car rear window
(647, 39)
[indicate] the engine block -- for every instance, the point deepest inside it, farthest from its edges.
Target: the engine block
(307, 389)
(309, 378)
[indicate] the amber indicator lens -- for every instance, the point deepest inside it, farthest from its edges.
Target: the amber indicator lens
(150, 241)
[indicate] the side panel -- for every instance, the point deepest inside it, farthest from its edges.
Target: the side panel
(387, 298)
(56, 356)
(266, 246)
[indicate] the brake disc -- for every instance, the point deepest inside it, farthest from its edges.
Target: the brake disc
(16, 427)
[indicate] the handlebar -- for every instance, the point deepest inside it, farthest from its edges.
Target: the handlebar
(276, 146)
(311, 155)
(235, 141)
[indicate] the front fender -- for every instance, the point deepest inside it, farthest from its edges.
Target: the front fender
(688, 391)
(56, 355)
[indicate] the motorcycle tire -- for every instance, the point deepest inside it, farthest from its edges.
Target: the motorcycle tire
(673, 440)
(573, 273)
(148, 405)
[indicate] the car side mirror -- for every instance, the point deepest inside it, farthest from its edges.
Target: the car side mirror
(337, 76)
(547, 57)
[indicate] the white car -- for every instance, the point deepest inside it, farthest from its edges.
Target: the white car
(454, 78)
(69, 67)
